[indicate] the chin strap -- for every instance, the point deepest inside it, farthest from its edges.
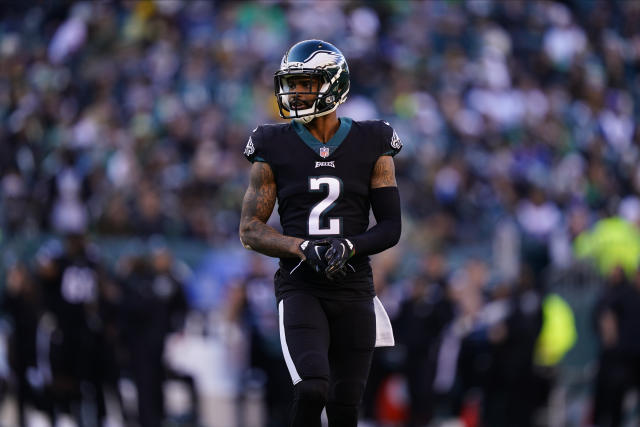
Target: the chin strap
(307, 119)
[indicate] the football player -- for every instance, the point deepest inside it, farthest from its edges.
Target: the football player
(326, 173)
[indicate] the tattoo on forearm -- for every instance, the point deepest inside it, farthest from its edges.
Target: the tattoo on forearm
(263, 190)
(384, 174)
(257, 207)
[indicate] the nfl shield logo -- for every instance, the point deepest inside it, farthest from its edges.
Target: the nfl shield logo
(324, 152)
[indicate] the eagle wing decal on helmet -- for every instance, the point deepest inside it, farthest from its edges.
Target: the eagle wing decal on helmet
(321, 59)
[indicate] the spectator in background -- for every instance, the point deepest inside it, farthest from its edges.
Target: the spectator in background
(537, 218)
(69, 193)
(611, 243)
(463, 357)
(143, 329)
(69, 278)
(168, 286)
(512, 392)
(15, 202)
(23, 307)
(149, 217)
(115, 219)
(420, 323)
(154, 305)
(617, 317)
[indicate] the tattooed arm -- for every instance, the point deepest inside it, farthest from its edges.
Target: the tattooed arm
(384, 173)
(385, 203)
(257, 206)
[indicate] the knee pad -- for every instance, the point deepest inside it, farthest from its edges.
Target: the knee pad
(312, 390)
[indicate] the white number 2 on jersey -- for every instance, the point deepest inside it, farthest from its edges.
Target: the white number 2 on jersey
(334, 186)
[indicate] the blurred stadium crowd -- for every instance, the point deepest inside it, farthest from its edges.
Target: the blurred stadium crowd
(514, 291)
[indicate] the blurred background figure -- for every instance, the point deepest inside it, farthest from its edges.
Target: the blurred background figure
(617, 321)
(421, 319)
(154, 305)
(519, 178)
(71, 296)
(23, 306)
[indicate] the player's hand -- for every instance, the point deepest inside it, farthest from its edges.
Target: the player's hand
(314, 252)
(339, 252)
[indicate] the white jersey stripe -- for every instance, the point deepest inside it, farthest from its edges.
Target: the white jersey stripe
(295, 377)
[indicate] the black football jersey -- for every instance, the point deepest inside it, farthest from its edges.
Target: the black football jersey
(323, 191)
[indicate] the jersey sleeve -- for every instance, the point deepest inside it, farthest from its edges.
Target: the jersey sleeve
(390, 142)
(255, 151)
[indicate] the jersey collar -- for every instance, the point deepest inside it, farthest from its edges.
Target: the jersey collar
(331, 145)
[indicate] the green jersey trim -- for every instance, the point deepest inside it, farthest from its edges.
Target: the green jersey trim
(332, 145)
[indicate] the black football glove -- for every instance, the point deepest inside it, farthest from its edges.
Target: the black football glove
(314, 252)
(339, 252)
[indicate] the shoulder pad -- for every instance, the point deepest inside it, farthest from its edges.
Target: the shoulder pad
(273, 130)
(391, 142)
(257, 147)
(253, 148)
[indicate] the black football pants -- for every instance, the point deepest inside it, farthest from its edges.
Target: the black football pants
(328, 346)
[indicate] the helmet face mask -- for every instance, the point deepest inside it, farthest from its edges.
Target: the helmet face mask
(317, 61)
